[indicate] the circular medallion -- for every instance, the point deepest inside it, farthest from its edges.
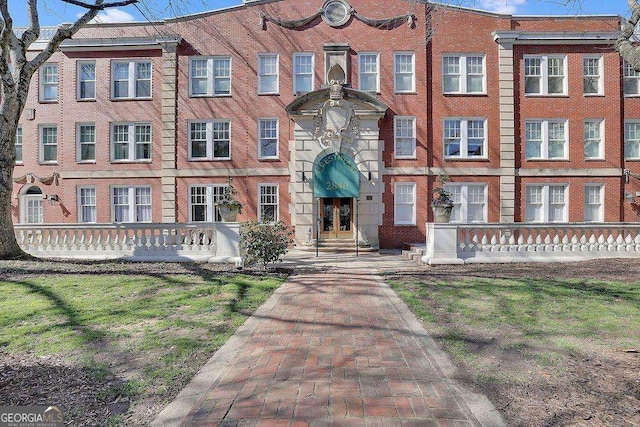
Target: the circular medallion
(336, 13)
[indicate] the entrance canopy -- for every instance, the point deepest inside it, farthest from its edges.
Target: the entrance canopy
(336, 175)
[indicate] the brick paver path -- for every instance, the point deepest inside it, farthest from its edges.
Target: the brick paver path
(331, 348)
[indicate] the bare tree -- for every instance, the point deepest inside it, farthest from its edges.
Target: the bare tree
(629, 51)
(16, 71)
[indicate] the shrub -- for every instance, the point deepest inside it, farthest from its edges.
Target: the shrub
(264, 242)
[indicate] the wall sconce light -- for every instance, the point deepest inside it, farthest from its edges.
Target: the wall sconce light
(629, 197)
(305, 178)
(53, 199)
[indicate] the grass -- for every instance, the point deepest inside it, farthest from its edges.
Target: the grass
(157, 328)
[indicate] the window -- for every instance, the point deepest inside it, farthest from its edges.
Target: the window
(18, 145)
(32, 209)
(545, 75)
(131, 204)
(404, 137)
(302, 72)
(546, 140)
(593, 211)
(545, 203)
(404, 75)
(268, 73)
(48, 144)
(465, 138)
(631, 80)
(593, 143)
(130, 79)
(404, 203)
(368, 72)
(210, 76)
(268, 205)
(86, 146)
(130, 142)
(469, 202)
(592, 75)
(463, 74)
(210, 140)
(49, 83)
(202, 203)
(87, 204)
(632, 140)
(268, 138)
(86, 73)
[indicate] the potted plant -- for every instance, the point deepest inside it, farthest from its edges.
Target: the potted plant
(442, 203)
(228, 206)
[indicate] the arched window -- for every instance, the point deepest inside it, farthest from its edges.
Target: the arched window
(31, 206)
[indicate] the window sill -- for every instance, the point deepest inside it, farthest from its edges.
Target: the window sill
(48, 101)
(466, 159)
(631, 95)
(409, 92)
(269, 94)
(542, 95)
(405, 158)
(89, 162)
(548, 160)
(403, 225)
(18, 164)
(632, 160)
(458, 95)
(52, 163)
(217, 159)
(86, 100)
(269, 159)
(127, 162)
(593, 95)
(594, 160)
(131, 99)
(226, 95)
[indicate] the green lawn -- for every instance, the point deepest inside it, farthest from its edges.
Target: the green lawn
(158, 329)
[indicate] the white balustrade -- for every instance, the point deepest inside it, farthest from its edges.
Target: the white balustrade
(212, 242)
(486, 243)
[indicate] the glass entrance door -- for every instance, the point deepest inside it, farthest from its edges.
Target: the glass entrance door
(336, 216)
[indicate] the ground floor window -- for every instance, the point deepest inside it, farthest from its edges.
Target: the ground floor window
(593, 209)
(87, 204)
(131, 204)
(404, 201)
(268, 204)
(469, 202)
(202, 203)
(546, 203)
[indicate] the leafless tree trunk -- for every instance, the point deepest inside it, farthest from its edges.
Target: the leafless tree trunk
(14, 84)
(624, 45)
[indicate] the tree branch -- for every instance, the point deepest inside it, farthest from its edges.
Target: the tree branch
(100, 6)
(623, 44)
(33, 32)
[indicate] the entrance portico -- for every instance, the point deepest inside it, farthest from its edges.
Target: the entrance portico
(336, 163)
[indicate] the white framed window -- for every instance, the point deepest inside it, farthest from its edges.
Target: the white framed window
(31, 206)
(592, 72)
(404, 203)
(268, 202)
(546, 140)
(87, 204)
(545, 75)
(303, 66)
(210, 140)
(463, 74)
(465, 138)
(404, 76)
(86, 142)
(131, 79)
(632, 140)
(268, 138)
(469, 202)
(594, 139)
(268, 73)
(210, 76)
(593, 206)
(131, 204)
(546, 203)
(404, 137)
(631, 80)
(49, 82)
(369, 71)
(202, 202)
(86, 77)
(18, 145)
(130, 142)
(48, 143)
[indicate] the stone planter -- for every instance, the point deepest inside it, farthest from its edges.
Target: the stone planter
(229, 213)
(441, 213)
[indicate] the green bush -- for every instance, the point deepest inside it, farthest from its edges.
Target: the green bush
(264, 242)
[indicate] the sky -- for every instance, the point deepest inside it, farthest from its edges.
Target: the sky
(53, 12)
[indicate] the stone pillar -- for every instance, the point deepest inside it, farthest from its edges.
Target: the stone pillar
(169, 114)
(442, 244)
(507, 133)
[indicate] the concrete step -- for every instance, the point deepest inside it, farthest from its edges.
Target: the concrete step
(414, 252)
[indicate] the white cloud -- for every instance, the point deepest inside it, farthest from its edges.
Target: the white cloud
(502, 6)
(112, 15)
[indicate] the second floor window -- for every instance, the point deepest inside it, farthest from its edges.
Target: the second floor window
(463, 74)
(545, 75)
(49, 83)
(210, 140)
(130, 142)
(404, 137)
(86, 80)
(268, 138)
(632, 140)
(546, 140)
(210, 76)
(368, 72)
(593, 145)
(404, 72)
(592, 75)
(18, 145)
(465, 138)
(86, 147)
(631, 80)
(268, 73)
(130, 79)
(302, 72)
(48, 144)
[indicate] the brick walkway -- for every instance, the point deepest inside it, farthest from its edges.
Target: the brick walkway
(331, 348)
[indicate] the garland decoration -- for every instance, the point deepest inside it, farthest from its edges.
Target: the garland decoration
(32, 177)
(375, 23)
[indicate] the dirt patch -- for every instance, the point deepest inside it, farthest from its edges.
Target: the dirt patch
(595, 384)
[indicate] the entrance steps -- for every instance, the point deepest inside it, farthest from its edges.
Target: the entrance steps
(414, 252)
(336, 246)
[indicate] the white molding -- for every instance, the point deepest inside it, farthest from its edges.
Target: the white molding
(559, 38)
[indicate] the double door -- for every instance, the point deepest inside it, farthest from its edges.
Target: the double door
(336, 218)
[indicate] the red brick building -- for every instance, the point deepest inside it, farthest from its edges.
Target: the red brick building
(533, 119)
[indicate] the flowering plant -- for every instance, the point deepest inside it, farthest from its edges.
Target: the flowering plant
(228, 197)
(443, 197)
